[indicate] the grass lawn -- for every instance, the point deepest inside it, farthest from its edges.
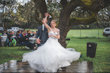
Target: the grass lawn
(101, 62)
(86, 33)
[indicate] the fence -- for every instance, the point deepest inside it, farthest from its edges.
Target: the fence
(86, 33)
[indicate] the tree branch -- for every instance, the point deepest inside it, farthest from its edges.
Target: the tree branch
(41, 6)
(94, 5)
(71, 6)
(63, 3)
(106, 3)
(85, 21)
(38, 16)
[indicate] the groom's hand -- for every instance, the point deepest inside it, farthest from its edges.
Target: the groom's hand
(38, 41)
(49, 15)
(46, 14)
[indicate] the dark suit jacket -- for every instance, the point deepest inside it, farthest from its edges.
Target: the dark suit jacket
(43, 35)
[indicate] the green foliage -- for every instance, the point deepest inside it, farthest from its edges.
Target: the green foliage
(54, 10)
(84, 20)
(87, 2)
(6, 19)
(103, 14)
(6, 2)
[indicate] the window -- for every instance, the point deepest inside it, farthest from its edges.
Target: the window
(1, 28)
(107, 29)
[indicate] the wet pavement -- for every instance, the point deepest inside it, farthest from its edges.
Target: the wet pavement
(23, 67)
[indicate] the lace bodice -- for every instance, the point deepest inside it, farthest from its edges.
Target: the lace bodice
(52, 33)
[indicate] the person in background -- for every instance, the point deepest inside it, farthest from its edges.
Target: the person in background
(10, 40)
(3, 42)
(24, 31)
(24, 40)
(20, 33)
(17, 37)
(36, 41)
(10, 35)
(5, 33)
(17, 34)
(0, 39)
(34, 33)
(29, 34)
(13, 33)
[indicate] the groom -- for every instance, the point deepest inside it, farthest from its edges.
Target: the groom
(42, 34)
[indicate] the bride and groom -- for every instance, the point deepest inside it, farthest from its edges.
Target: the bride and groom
(50, 55)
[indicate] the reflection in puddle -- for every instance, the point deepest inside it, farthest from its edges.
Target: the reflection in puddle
(5, 65)
(13, 65)
(1, 67)
(18, 66)
(83, 67)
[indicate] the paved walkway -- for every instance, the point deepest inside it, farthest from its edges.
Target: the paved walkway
(18, 66)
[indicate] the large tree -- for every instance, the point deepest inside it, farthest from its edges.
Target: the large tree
(6, 4)
(65, 22)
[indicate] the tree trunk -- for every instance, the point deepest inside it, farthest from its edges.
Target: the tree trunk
(63, 25)
(5, 27)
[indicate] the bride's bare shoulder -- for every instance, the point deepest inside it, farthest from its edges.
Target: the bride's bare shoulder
(57, 29)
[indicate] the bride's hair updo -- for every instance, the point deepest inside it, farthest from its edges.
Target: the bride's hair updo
(53, 23)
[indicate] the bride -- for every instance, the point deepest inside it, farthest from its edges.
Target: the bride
(52, 55)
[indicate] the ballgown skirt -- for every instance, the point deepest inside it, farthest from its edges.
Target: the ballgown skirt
(51, 56)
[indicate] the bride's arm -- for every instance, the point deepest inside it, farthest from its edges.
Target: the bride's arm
(44, 22)
(58, 35)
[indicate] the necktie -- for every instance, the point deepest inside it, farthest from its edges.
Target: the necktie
(42, 26)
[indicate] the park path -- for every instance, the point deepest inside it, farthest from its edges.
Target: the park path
(18, 66)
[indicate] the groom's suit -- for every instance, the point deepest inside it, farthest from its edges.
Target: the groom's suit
(42, 33)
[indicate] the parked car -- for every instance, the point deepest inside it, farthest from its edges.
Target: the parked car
(106, 32)
(15, 29)
(1, 29)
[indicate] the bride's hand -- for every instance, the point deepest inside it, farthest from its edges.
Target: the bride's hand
(43, 21)
(51, 35)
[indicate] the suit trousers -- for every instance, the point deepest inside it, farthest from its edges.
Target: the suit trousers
(30, 45)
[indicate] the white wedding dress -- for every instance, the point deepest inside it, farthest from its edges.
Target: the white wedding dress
(51, 56)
